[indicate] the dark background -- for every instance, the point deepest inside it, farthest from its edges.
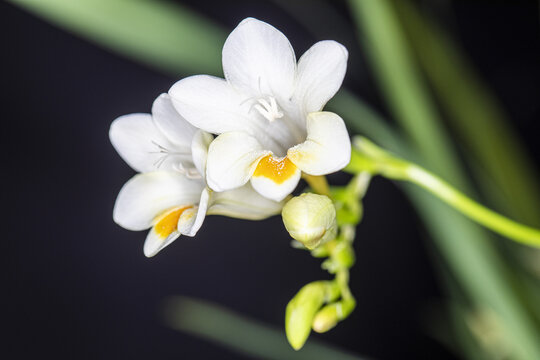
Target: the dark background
(79, 286)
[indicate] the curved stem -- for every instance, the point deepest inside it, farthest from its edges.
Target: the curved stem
(371, 158)
(479, 213)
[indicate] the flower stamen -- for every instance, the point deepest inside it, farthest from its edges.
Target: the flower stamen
(166, 153)
(268, 108)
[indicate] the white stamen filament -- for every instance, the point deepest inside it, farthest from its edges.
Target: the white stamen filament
(190, 173)
(269, 108)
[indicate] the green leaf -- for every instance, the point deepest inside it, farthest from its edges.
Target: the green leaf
(247, 336)
(162, 34)
(466, 248)
(408, 97)
(476, 116)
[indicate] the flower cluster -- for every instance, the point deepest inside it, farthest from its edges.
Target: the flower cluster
(170, 195)
(267, 115)
(238, 147)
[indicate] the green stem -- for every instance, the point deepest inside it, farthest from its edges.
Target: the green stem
(369, 157)
(359, 184)
(318, 184)
(482, 215)
(342, 278)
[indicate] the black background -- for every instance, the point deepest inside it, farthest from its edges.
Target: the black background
(79, 286)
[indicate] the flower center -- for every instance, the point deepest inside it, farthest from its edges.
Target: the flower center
(268, 108)
(276, 169)
(168, 222)
(165, 154)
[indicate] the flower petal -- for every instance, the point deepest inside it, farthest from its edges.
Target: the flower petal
(192, 219)
(164, 231)
(258, 59)
(171, 123)
(210, 103)
(243, 203)
(320, 73)
(232, 159)
(155, 243)
(189, 221)
(327, 148)
(136, 139)
(199, 150)
(146, 196)
(274, 187)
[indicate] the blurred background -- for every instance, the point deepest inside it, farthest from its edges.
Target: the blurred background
(453, 85)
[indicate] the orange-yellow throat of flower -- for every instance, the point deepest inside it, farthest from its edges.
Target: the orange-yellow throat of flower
(275, 169)
(168, 221)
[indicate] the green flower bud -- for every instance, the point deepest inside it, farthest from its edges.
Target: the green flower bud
(302, 309)
(328, 316)
(310, 219)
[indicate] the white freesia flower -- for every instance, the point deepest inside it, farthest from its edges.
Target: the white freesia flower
(170, 196)
(268, 111)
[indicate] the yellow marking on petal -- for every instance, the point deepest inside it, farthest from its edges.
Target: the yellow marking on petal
(187, 216)
(168, 222)
(276, 169)
(297, 155)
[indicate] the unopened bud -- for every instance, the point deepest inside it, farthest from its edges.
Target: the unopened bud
(303, 307)
(328, 316)
(310, 219)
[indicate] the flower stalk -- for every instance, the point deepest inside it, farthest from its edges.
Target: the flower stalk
(318, 184)
(368, 157)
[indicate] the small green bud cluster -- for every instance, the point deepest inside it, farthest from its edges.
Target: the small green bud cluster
(304, 308)
(325, 226)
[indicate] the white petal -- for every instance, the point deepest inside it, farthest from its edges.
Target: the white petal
(232, 159)
(258, 59)
(189, 222)
(243, 203)
(210, 103)
(199, 150)
(320, 73)
(154, 243)
(327, 148)
(192, 219)
(171, 123)
(276, 190)
(137, 140)
(148, 195)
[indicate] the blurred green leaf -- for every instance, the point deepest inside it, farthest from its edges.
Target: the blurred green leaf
(160, 33)
(476, 115)
(408, 98)
(468, 251)
(241, 334)
(501, 164)
(361, 119)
